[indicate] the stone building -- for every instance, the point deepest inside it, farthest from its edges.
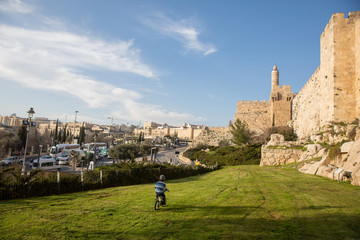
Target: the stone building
(186, 131)
(260, 115)
(332, 94)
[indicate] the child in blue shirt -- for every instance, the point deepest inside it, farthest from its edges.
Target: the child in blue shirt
(160, 189)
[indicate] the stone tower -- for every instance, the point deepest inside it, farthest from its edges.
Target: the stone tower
(280, 101)
(274, 77)
(260, 115)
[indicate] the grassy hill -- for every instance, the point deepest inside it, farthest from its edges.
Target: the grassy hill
(244, 202)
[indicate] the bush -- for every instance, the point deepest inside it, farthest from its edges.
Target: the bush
(229, 155)
(39, 183)
(287, 132)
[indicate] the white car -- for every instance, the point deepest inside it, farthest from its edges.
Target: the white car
(10, 161)
(63, 159)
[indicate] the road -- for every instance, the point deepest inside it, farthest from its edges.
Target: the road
(169, 156)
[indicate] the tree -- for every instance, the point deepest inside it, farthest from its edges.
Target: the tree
(22, 135)
(56, 130)
(241, 133)
(63, 139)
(82, 135)
(59, 137)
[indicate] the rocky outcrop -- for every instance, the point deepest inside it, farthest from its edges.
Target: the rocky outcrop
(279, 152)
(341, 166)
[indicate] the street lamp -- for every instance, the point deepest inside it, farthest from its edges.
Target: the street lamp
(28, 127)
(76, 112)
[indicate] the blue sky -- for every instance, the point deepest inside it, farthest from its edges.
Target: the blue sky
(164, 61)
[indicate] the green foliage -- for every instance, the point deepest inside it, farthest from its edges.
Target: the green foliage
(241, 133)
(189, 153)
(302, 148)
(129, 152)
(9, 140)
(82, 135)
(244, 202)
(287, 132)
(39, 183)
(227, 156)
(334, 151)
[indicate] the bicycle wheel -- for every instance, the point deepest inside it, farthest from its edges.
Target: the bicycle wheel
(157, 204)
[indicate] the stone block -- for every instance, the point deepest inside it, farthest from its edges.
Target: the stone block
(345, 148)
(313, 168)
(312, 149)
(276, 139)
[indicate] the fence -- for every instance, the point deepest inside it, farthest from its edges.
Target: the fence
(14, 185)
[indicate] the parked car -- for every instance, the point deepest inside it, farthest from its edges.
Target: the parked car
(46, 157)
(63, 159)
(10, 161)
(47, 162)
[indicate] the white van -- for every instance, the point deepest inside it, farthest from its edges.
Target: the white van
(56, 151)
(46, 164)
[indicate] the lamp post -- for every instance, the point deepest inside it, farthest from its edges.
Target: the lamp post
(73, 138)
(28, 127)
(76, 112)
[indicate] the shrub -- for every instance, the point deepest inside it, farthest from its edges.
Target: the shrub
(39, 183)
(231, 155)
(287, 132)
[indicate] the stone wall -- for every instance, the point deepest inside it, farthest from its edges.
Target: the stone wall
(272, 156)
(255, 114)
(261, 115)
(332, 92)
(183, 133)
(278, 152)
(213, 138)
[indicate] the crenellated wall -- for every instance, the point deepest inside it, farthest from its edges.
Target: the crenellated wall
(254, 113)
(261, 115)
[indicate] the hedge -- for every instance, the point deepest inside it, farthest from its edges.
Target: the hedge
(40, 183)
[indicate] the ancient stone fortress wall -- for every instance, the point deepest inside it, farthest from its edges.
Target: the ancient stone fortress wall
(262, 115)
(312, 108)
(219, 129)
(332, 92)
(254, 113)
(280, 105)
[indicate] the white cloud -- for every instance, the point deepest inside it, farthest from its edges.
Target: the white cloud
(182, 31)
(149, 112)
(58, 60)
(16, 6)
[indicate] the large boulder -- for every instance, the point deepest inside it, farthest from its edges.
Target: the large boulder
(276, 139)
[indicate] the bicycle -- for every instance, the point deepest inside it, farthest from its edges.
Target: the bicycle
(158, 201)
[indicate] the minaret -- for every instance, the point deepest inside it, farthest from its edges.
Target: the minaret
(274, 77)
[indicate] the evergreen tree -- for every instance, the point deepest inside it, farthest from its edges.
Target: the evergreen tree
(59, 137)
(64, 135)
(82, 135)
(56, 130)
(22, 135)
(241, 133)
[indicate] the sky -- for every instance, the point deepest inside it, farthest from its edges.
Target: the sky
(175, 62)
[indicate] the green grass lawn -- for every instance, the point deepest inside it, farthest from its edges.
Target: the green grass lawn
(245, 202)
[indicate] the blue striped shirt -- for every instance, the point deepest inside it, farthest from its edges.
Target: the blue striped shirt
(160, 187)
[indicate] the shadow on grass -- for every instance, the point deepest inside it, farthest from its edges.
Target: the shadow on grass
(229, 223)
(226, 225)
